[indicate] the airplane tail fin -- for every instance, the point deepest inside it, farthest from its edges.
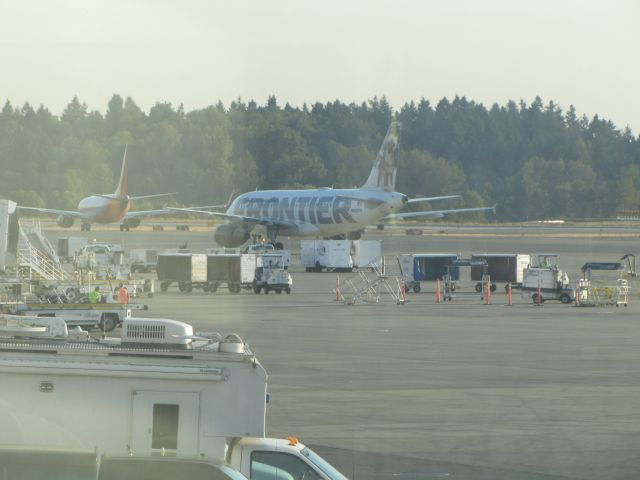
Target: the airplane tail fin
(123, 184)
(383, 173)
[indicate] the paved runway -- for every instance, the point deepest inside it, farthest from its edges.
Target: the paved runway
(458, 390)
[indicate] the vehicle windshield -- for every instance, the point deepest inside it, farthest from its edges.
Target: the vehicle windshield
(322, 464)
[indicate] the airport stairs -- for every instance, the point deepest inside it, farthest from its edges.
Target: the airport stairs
(37, 260)
(369, 283)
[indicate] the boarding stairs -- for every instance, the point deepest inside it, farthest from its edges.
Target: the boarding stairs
(37, 260)
(368, 285)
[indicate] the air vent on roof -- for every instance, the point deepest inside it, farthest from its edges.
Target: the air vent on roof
(156, 331)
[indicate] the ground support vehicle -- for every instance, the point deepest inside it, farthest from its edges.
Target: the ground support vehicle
(605, 283)
(102, 261)
(188, 270)
(420, 267)
(170, 393)
(339, 255)
(69, 247)
(501, 267)
(545, 280)
(102, 316)
(143, 260)
(237, 271)
(271, 274)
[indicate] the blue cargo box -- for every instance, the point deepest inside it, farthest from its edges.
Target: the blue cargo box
(433, 267)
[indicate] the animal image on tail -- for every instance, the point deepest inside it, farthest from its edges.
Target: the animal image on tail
(383, 173)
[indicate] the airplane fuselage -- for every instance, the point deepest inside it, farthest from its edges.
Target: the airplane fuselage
(103, 209)
(319, 212)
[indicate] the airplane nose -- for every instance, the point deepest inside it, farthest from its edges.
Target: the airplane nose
(405, 199)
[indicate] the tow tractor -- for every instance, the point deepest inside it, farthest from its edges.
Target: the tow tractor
(272, 273)
(544, 280)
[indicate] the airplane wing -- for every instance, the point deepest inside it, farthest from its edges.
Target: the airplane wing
(438, 213)
(52, 211)
(429, 199)
(230, 216)
(146, 213)
(156, 195)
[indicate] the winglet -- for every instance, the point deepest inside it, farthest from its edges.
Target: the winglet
(122, 189)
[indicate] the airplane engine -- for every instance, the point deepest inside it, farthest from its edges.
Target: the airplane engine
(65, 221)
(132, 222)
(231, 235)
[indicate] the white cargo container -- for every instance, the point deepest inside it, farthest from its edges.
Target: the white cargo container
(187, 269)
(340, 255)
(69, 247)
(330, 255)
(366, 253)
(161, 391)
(236, 270)
(143, 260)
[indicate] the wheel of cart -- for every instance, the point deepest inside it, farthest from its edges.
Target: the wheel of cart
(288, 290)
(534, 297)
(213, 287)
(416, 287)
(108, 322)
(164, 286)
(565, 298)
(234, 287)
(185, 287)
(73, 294)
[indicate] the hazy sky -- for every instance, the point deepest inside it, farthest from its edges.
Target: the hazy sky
(584, 52)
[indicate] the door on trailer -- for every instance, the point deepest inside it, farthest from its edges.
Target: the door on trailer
(165, 421)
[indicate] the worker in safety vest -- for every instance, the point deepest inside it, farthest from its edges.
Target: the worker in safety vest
(94, 296)
(123, 295)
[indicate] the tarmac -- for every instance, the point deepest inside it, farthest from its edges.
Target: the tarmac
(458, 390)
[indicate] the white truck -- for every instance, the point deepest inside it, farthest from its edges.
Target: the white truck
(545, 280)
(340, 255)
(161, 390)
(272, 273)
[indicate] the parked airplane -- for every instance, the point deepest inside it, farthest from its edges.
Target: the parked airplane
(109, 208)
(324, 212)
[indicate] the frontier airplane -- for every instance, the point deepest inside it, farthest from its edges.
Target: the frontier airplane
(109, 208)
(324, 212)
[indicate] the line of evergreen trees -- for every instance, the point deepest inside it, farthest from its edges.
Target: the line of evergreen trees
(535, 161)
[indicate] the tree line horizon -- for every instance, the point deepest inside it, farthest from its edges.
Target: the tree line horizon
(535, 161)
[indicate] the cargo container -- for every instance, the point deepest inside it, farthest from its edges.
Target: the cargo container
(421, 267)
(235, 270)
(188, 270)
(501, 267)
